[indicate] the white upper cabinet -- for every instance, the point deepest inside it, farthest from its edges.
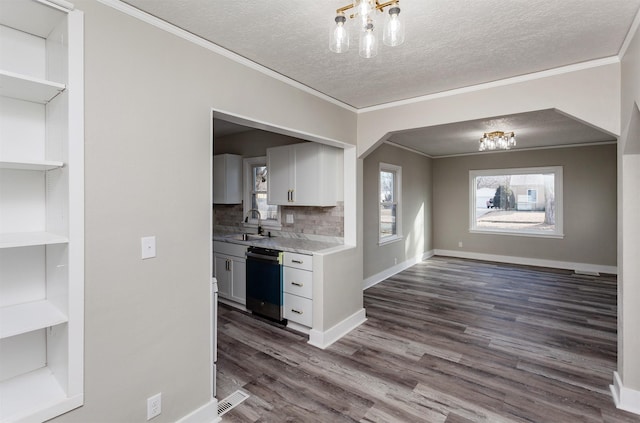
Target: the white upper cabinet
(227, 179)
(280, 174)
(305, 174)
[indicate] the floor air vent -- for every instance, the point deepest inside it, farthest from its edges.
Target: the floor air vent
(230, 402)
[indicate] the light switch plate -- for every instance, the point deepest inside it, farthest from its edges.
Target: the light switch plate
(148, 247)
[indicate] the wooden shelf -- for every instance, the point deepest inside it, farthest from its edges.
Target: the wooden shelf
(22, 318)
(29, 239)
(33, 396)
(27, 88)
(30, 165)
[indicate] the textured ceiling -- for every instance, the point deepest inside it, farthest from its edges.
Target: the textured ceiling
(533, 130)
(449, 43)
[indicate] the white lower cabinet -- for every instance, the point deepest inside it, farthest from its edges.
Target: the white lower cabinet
(298, 309)
(230, 271)
(298, 288)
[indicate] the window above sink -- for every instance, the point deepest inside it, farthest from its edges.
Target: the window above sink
(255, 196)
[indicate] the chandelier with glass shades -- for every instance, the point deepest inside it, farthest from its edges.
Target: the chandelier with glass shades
(497, 140)
(364, 14)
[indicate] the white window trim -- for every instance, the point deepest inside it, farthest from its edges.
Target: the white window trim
(558, 184)
(398, 196)
(248, 164)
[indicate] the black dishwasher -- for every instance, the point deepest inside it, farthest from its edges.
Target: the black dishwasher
(264, 282)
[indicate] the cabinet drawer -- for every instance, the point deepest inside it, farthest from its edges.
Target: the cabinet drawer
(298, 309)
(228, 248)
(298, 282)
(299, 261)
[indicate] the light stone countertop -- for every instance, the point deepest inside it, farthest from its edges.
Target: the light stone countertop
(294, 243)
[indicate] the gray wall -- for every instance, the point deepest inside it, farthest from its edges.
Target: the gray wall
(589, 205)
(148, 101)
(416, 209)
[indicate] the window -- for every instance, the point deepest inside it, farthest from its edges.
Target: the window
(525, 201)
(390, 228)
(255, 195)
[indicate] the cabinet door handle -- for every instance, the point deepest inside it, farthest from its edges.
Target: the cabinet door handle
(296, 261)
(292, 200)
(297, 284)
(296, 311)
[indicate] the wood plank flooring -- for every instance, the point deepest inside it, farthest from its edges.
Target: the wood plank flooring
(446, 341)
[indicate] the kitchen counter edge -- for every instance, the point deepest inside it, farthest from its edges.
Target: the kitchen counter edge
(292, 245)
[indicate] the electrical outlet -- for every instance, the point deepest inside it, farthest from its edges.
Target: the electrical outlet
(154, 406)
(289, 218)
(460, 244)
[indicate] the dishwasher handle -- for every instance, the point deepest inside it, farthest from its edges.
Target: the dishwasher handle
(261, 257)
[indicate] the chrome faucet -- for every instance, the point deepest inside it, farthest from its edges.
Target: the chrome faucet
(251, 213)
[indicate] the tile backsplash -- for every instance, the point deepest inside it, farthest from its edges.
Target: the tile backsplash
(326, 221)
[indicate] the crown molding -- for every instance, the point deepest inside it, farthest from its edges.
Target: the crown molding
(179, 32)
(391, 143)
(515, 150)
(499, 83)
(188, 36)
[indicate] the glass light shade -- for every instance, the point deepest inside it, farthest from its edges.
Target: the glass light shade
(368, 46)
(497, 141)
(339, 36)
(363, 8)
(393, 34)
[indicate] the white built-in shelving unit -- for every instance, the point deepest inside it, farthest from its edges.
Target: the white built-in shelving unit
(41, 209)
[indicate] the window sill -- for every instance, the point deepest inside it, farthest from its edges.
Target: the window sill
(389, 240)
(513, 233)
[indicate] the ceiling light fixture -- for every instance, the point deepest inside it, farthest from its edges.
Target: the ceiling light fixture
(365, 13)
(497, 140)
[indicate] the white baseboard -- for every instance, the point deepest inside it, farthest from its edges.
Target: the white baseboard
(323, 339)
(626, 399)
(387, 273)
(584, 268)
(208, 413)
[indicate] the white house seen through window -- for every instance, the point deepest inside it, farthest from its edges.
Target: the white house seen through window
(526, 201)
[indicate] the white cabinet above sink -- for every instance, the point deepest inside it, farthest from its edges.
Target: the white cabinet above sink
(304, 174)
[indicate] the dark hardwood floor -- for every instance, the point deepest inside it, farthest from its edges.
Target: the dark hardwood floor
(449, 340)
